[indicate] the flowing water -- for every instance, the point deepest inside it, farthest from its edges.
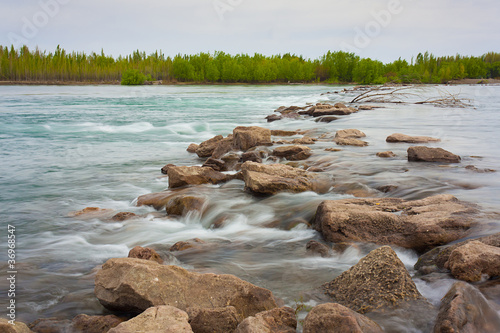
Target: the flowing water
(64, 148)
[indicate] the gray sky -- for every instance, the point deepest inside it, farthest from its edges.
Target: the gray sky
(379, 29)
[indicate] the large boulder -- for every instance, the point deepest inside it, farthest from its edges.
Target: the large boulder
(275, 178)
(398, 137)
(474, 261)
(206, 148)
(418, 224)
(95, 324)
(333, 317)
(464, 309)
(216, 320)
(281, 320)
(126, 284)
(427, 154)
(19, 327)
(378, 281)
(158, 319)
(194, 175)
(245, 138)
(293, 153)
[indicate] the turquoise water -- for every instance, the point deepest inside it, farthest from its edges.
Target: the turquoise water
(70, 147)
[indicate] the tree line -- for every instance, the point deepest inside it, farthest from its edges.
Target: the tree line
(219, 67)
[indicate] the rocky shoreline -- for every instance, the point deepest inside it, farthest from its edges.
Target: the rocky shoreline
(145, 294)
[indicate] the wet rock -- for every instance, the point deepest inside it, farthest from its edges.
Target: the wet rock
(158, 319)
(366, 107)
(217, 320)
(252, 156)
(349, 133)
(275, 178)
(293, 153)
(245, 138)
(280, 320)
(182, 204)
(386, 154)
(145, 253)
(283, 133)
(281, 108)
(95, 324)
(192, 148)
(122, 216)
(273, 117)
(316, 248)
(419, 224)
(333, 317)
(50, 325)
(474, 261)
(475, 169)
(223, 147)
(184, 245)
(464, 309)
(164, 170)
(387, 188)
(156, 200)
(206, 148)
(326, 119)
(329, 110)
(194, 175)
(349, 137)
(333, 149)
(19, 327)
(304, 141)
(315, 169)
(398, 137)
(426, 154)
(378, 281)
(350, 142)
(92, 213)
(339, 105)
(216, 164)
(120, 286)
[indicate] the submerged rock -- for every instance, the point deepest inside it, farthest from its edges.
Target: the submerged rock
(273, 117)
(314, 247)
(120, 286)
(184, 245)
(426, 154)
(180, 205)
(386, 154)
(216, 320)
(419, 224)
(333, 317)
(280, 320)
(145, 253)
(206, 148)
(182, 175)
(283, 133)
(95, 324)
(122, 216)
(326, 119)
(398, 137)
(245, 138)
(293, 153)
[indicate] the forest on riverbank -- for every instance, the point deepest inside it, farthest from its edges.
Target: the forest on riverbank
(25, 65)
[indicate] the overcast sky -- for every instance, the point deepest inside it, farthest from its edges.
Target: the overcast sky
(379, 29)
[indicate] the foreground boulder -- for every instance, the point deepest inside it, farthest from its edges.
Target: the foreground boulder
(426, 154)
(159, 319)
(378, 281)
(216, 320)
(281, 320)
(293, 153)
(419, 224)
(464, 309)
(398, 137)
(245, 138)
(19, 327)
(194, 175)
(133, 285)
(275, 178)
(333, 317)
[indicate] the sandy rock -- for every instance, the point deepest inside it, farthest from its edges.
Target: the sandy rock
(293, 153)
(127, 284)
(275, 178)
(145, 253)
(280, 320)
(245, 138)
(206, 148)
(314, 247)
(165, 168)
(379, 280)
(216, 320)
(19, 327)
(182, 204)
(464, 309)
(349, 133)
(426, 154)
(95, 324)
(158, 319)
(283, 133)
(398, 137)
(419, 224)
(192, 148)
(194, 175)
(252, 156)
(223, 147)
(122, 216)
(386, 154)
(473, 261)
(333, 317)
(184, 245)
(92, 213)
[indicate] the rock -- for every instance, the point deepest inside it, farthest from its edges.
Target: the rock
(366, 107)
(419, 224)
(333, 149)
(194, 175)
(133, 285)
(192, 148)
(304, 141)
(333, 317)
(283, 133)
(50, 325)
(206, 148)
(273, 117)
(387, 188)
(164, 170)
(122, 216)
(19, 327)
(398, 137)
(217, 320)
(223, 147)
(184, 245)
(92, 213)
(245, 138)
(180, 205)
(145, 253)
(386, 154)
(475, 169)
(464, 309)
(315, 247)
(473, 261)
(350, 142)
(326, 119)
(378, 281)
(315, 169)
(95, 324)
(275, 178)
(339, 105)
(216, 164)
(349, 133)
(280, 320)
(333, 112)
(281, 108)
(426, 154)
(156, 200)
(158, 319)
(293, 153)
(349, 137)
(252, 156)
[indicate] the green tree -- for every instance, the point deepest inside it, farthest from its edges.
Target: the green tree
(133, 77)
